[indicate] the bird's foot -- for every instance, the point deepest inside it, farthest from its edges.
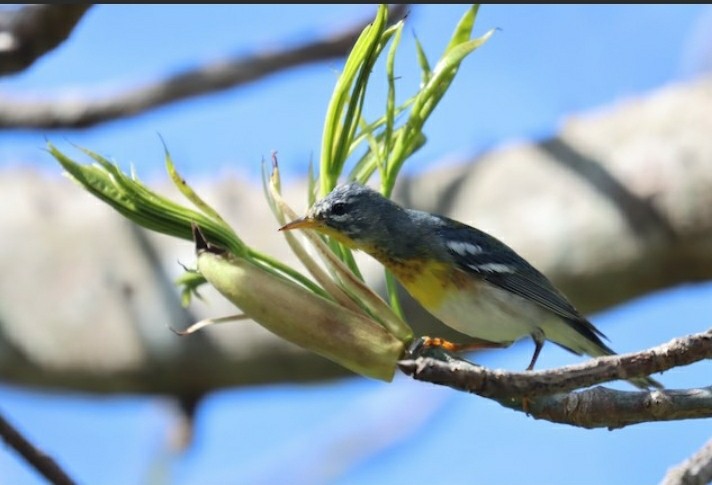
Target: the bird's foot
(438, 348)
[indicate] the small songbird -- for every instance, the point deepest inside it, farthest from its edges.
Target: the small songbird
(466, 278)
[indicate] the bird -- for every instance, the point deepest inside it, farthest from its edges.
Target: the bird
(466, 278)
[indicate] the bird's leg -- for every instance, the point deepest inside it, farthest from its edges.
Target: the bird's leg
(476, 344)
(442, 349)
(539, 339)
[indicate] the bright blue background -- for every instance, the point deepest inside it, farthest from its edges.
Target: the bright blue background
(545, 64)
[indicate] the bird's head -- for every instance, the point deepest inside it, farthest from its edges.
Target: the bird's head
(355, 215)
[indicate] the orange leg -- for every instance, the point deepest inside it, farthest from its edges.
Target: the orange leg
(476, 344)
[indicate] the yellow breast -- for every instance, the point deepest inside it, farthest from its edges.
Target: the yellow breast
(429, 282)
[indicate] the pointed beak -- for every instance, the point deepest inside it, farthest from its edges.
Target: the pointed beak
(305, 222)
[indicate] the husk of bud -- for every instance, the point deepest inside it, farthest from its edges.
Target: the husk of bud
(302, 317)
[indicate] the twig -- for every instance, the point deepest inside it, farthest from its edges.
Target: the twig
(542, 393)
(465, 376)
(77, 113)
(26, 34)
(696, 470)
(607, 408)
(41, 462)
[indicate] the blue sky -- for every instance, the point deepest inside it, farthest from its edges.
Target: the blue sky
(546, 63)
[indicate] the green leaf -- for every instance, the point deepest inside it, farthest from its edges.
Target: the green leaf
(425, 70)
(189, 282)
(341, 115)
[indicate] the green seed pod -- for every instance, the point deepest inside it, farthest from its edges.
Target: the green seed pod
(348, 338)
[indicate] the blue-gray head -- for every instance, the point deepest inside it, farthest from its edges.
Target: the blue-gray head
(361, 218)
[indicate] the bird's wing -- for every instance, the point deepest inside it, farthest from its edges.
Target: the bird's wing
(480, 254)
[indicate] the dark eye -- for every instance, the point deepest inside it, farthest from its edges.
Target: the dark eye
(338, 209)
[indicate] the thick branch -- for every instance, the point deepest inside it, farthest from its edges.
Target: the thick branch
(41, 462)
(210, 78)
(30, 32)
(696, 470)
(592, 408)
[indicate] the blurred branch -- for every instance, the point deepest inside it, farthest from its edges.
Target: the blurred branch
(696, 470)
(539, 393)
(27, 33)
(218, 76)
(42, 463)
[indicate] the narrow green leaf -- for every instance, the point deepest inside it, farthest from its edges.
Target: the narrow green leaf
(425, 71)
(463, 30)
(139, 204)
(390, 103)
(392, 290)
(187, 191)
(189, 282)
(345, 104)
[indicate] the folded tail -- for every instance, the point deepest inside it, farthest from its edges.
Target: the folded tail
(581, 337)
(644, 383)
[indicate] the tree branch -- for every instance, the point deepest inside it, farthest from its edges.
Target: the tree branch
(539, 393)
(219, 76)
(30, 32)
(601, 407)
(41, 462)
(465, 376)
(696, 470)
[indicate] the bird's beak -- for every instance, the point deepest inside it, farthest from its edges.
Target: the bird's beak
(305, 222)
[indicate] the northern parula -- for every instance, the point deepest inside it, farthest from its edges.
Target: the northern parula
(466, 278)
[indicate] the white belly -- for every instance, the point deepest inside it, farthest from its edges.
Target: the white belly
(491, 314)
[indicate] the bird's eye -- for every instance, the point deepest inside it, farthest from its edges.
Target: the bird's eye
(338, 209)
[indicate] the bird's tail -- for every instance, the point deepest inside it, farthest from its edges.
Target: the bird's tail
(581, 337)
(644, 383)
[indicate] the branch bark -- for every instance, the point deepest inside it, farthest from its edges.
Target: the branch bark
(696, 470)
(40, 461)
(202, 80)
(465, 376)
(26, 34)
(601, 407)
(541, 393)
